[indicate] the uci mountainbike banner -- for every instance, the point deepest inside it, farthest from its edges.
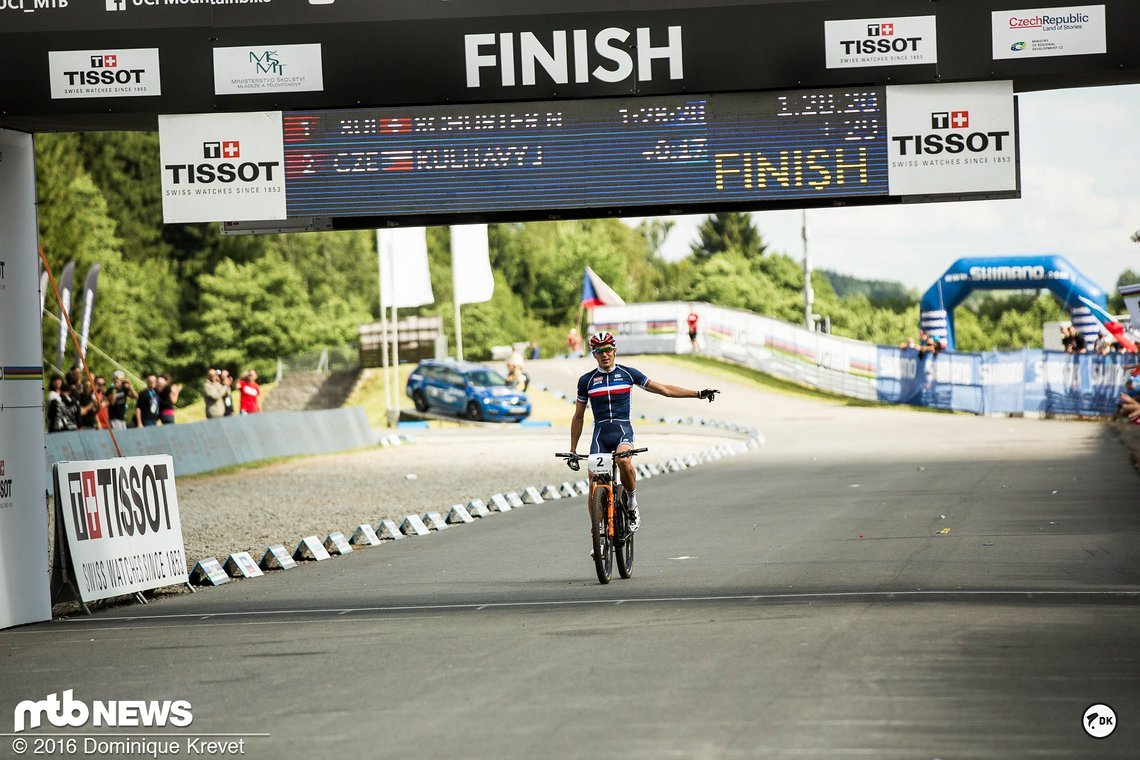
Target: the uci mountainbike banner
(121, 524)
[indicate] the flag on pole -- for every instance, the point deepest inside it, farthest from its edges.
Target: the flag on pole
(1109, 323)
(471, 264)
(65, 281)
(88, 307)
(404, 267)
(595, 292)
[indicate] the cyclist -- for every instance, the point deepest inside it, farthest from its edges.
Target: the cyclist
(607, 390)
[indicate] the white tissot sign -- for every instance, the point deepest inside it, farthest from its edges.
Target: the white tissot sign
(222, 167)
(951, 138)
(124, 533)
(1047, 32)
(24, 567)
(901, 41)
(128, 73)
(268, 68)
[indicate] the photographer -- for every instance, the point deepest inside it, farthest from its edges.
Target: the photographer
(215, 394)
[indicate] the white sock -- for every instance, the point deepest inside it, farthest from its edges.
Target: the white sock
(632, 499)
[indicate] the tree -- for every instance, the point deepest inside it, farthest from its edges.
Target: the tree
(729, 231)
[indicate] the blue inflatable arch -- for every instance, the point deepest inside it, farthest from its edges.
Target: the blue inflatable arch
(1080, 295)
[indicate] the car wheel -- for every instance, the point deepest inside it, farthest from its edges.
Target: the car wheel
(420, 402)
(474, 412)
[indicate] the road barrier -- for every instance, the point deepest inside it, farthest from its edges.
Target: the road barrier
(1030, 380)
(214, 444)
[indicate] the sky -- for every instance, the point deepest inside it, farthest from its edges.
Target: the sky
(1080, 198)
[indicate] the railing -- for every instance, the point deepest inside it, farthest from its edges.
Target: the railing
(1030, 380)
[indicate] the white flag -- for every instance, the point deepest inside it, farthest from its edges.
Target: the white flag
(471, 264)
(404, 267)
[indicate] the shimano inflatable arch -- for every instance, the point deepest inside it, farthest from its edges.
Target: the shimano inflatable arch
(1079, 294)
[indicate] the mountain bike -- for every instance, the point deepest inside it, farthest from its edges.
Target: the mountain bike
(609, 528)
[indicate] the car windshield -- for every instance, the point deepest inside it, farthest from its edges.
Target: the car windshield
(487, 378)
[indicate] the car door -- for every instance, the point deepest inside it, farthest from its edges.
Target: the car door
(453, 393)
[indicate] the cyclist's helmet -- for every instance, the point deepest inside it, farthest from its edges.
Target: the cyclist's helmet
(602, 339)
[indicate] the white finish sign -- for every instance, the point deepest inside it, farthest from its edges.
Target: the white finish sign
(222, 167)
(865, 42)
(122, 524)
(1047, 32)
(951, 138)
(130, 73)
(268, 68)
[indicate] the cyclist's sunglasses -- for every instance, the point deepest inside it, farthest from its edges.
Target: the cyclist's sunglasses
(604, 350)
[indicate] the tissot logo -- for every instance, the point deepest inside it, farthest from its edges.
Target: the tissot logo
(880, 30)
(104, 61)
(950, 120)
(116, 5)
(220, 149)
(881, 42)
(104, 73)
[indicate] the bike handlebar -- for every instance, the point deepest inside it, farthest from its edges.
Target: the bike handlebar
(617, 455)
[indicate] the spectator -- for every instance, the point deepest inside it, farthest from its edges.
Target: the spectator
(213, 391)
(927, 344)
(167, 398)
(146, 409)
(228, 381)
(121, 391)
(88, 407)
(574, 343)
(250, 392)
(693, 319)
(533, 351)
(908, 343)
(516, 377)
(56, 411)
(1130, 408)
(70, 406)
(1080, 346)
(1102, 344)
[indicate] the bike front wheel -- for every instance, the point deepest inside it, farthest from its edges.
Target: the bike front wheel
(603, 542)
(623, 542)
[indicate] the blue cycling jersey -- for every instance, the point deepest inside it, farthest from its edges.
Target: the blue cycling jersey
(608, 392)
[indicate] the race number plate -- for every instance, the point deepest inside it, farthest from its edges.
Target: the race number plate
(600, 462)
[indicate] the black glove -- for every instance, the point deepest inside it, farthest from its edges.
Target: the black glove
(709, 394)
(574, 464)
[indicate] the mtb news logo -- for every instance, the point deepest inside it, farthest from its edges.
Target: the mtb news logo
(75, 713)
(948, 135)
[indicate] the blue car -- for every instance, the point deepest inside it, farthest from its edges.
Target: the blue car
(466, 388)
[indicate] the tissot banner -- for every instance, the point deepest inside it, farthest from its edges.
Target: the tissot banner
(222, 166)
(858, 43)
(268, 68)
(104, 73)
(123, 529)
(1047, 32)
(952, 138)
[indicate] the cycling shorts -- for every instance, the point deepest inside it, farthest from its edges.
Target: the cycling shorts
(609, 435)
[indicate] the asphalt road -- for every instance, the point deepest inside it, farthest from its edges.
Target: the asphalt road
(873, 583)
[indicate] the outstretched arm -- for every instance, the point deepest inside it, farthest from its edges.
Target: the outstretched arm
(676, 391)
(670, 391)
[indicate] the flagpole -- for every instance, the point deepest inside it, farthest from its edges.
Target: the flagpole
(394, 407)
(383, 325)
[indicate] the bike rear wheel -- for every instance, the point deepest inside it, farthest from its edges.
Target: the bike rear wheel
(603, 544)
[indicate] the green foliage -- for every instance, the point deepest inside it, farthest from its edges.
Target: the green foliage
(181, 298)
(883, 294)
(732, 231)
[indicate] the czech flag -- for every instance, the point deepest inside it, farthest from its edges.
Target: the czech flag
(595, 292)
(1110, 324)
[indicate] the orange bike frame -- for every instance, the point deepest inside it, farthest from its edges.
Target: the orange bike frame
(598, 483)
